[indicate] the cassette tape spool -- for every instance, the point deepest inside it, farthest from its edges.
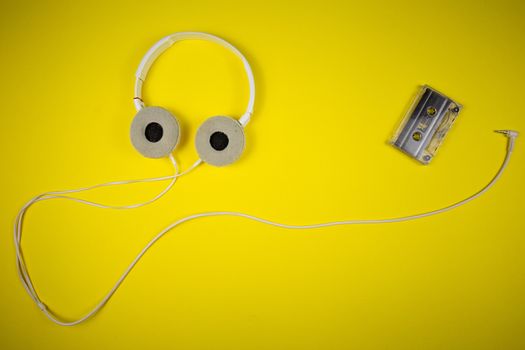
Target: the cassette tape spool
(426, 124)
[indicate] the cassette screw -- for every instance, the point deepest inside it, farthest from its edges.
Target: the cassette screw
(431, 111)
(416, 136)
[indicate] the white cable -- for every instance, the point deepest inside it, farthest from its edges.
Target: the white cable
(510, 134)
(21, 266)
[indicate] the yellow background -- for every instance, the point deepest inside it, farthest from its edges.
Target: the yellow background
(334, 79)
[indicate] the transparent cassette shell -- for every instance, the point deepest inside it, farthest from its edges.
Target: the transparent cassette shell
(425, 125)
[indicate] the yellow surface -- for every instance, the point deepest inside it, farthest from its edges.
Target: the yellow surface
(334, 79)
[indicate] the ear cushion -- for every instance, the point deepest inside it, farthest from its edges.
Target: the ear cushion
(154, 132)
(220, 140)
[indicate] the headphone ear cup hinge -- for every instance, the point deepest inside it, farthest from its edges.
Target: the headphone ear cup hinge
(245, 119)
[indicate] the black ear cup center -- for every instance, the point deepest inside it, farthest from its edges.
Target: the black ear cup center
(153, 132)
(219, 140)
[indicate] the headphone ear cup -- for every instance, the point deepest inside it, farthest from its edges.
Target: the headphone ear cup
(154, 132)
(220, 140)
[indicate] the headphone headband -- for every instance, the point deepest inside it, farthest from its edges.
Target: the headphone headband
(162, 45)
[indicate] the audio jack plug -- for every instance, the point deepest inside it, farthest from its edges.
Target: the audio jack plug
(511, 135)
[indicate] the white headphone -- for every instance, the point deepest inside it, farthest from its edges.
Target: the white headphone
(219, 141)
(155, 132)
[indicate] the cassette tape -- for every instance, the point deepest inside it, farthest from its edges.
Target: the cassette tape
(426, 124)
